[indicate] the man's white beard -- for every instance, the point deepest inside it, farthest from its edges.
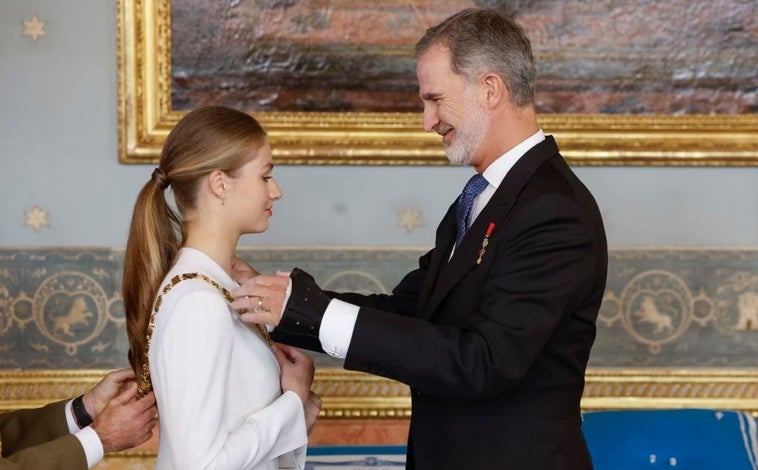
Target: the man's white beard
(468, 138)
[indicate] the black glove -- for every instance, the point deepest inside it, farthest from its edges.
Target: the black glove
(306, 306)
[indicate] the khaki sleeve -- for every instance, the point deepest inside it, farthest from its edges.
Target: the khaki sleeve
(39, 439)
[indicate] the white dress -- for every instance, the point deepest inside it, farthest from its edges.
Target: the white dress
(216, 382)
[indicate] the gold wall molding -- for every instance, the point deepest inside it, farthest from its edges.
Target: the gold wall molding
(146, 117)
(355, 395)
(634, 389)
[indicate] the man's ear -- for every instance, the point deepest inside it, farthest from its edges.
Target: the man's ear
(494, 88)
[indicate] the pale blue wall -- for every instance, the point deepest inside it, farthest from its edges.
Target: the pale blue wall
(58, 145)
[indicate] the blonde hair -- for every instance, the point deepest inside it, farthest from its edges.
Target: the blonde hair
(206, 139)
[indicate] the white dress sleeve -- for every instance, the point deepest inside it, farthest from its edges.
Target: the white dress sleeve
(193, 364)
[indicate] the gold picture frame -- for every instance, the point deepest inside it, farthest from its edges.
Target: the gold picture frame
(146, 117)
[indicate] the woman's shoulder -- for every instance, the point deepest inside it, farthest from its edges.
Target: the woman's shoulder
(190, 289)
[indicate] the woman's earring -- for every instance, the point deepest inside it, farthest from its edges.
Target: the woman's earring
(223, 199)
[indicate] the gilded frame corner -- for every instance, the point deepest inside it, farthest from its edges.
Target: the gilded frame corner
(146, 116)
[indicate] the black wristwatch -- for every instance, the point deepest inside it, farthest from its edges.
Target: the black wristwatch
(81, 416)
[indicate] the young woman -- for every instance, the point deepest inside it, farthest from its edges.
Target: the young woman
(227, 397)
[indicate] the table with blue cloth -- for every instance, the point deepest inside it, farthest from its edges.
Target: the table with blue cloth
(690, 439)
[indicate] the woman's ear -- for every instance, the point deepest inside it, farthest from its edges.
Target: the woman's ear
(217, 183)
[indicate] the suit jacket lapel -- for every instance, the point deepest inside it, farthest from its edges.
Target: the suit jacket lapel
(496, 211)
(445, 238)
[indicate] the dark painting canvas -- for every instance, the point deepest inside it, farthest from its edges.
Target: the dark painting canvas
(607, 56)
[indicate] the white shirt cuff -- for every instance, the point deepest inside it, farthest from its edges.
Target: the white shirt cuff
(93, 448)
(284, 303)
(72, 426)
(337, 327)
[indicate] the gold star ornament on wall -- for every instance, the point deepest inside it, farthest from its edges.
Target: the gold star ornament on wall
(36, 218)
(409, 219)
(34, 28)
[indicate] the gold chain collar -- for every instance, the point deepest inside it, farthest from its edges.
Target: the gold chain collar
(145, 385)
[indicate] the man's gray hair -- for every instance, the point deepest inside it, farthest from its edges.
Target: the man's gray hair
(487, 40)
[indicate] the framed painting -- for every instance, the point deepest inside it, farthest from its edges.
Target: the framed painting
(622, 83)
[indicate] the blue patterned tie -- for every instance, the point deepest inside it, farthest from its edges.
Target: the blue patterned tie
(475, 185)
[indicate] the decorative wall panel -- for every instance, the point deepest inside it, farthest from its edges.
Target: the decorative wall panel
(676, 328)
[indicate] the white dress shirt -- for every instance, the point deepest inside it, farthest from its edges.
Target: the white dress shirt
(339, 319)
(93, 447)
(216, 382)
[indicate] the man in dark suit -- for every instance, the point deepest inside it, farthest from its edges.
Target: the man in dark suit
(493, 330)
(74, 434)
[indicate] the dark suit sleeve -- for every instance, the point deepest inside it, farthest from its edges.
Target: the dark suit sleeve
(39, 439)
(403, 301)
(544, 268)
(404, 298)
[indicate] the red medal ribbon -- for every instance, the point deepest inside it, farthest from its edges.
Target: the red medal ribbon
(485, 242)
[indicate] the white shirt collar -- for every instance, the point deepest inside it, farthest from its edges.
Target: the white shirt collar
(496, 172)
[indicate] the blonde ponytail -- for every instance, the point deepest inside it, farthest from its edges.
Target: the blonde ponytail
(150, 252)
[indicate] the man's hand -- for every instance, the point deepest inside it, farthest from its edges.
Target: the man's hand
(126, 422)
(261, 299)
(106, 390)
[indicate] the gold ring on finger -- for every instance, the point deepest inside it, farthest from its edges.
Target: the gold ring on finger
(261, 306)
